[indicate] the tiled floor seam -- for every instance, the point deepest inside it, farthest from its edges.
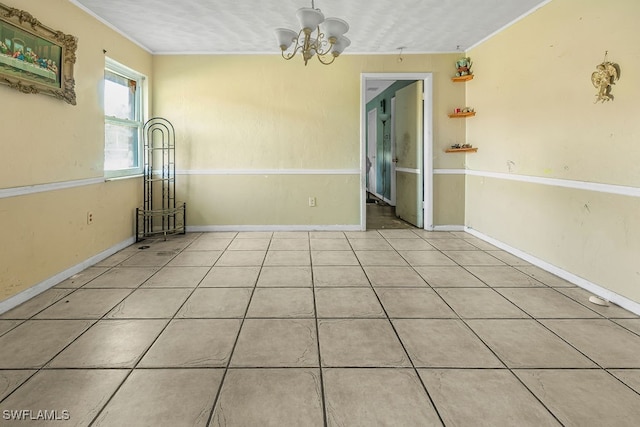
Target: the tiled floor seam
(623, 326)
(413, 267)
(44, 365)
(598, 366)
(235, 343)
(142, 355)
(228, 368)
(315, 315)
(493, 352)
(415, 370)
(413, 366)
(509, 369)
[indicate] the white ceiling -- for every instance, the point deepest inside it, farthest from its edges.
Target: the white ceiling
(246, 26)
(375, 87)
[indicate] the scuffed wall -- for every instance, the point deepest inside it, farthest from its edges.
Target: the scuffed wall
(557, 175)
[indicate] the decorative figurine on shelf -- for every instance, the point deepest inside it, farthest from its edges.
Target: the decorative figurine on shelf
(605, 75)
(463, 65)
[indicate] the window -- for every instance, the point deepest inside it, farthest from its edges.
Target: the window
(123, 120)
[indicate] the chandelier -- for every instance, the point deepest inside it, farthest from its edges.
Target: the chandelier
(326, 45)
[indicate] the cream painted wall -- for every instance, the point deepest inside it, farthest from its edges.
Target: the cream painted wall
(593, 235)
(48, 232)
(44, 141)
(255, 112)
(449, 191)
(537, 117)
(221, 204)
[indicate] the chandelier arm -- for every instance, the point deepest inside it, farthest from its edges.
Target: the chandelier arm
(298, 47)
(333, 58)
(288, 56)
(319, 41)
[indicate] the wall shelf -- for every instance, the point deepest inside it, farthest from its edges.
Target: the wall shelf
(461, 115)
(462, 78)
(460, 150)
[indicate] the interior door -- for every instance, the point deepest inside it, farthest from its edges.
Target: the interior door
(409, 142)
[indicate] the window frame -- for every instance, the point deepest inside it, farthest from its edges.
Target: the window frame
(139, 117)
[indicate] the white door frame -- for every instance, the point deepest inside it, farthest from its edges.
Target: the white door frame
(427, 170)
(392, 195)
(372, 142)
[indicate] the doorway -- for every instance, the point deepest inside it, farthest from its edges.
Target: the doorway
(411, 164)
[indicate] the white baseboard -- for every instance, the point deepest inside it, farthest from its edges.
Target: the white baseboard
(598, 290)
(209, 228)
(31, 292)
(449, 228)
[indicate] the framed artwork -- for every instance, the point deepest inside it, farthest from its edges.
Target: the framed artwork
(35, 58)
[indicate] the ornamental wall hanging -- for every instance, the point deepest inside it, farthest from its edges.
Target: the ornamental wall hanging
(605, 75)
(35, 58)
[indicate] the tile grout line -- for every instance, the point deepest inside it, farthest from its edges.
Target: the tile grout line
(71, 291)
(598, 365)
(226, 369)
(93, 323)
(235, 343)
(32, 317)
(325, 409)
(537, 320)
(464, 321)
(388, 319)
(506, 367)
(144, 353)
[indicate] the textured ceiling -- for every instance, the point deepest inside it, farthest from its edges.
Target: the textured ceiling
(246, 26)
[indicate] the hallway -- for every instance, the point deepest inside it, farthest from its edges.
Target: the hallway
(383, 216)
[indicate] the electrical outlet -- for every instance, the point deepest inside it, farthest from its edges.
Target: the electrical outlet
(312, 202)
(89, 218)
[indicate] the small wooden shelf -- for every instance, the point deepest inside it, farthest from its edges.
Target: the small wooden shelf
(460, 115)
(462, 78)
(460, 150)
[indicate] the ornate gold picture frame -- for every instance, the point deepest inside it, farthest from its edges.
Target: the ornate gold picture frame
(35, 58)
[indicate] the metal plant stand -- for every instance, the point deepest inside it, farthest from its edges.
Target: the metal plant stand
(161, 214)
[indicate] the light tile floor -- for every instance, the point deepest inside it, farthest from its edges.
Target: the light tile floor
(390, 327)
